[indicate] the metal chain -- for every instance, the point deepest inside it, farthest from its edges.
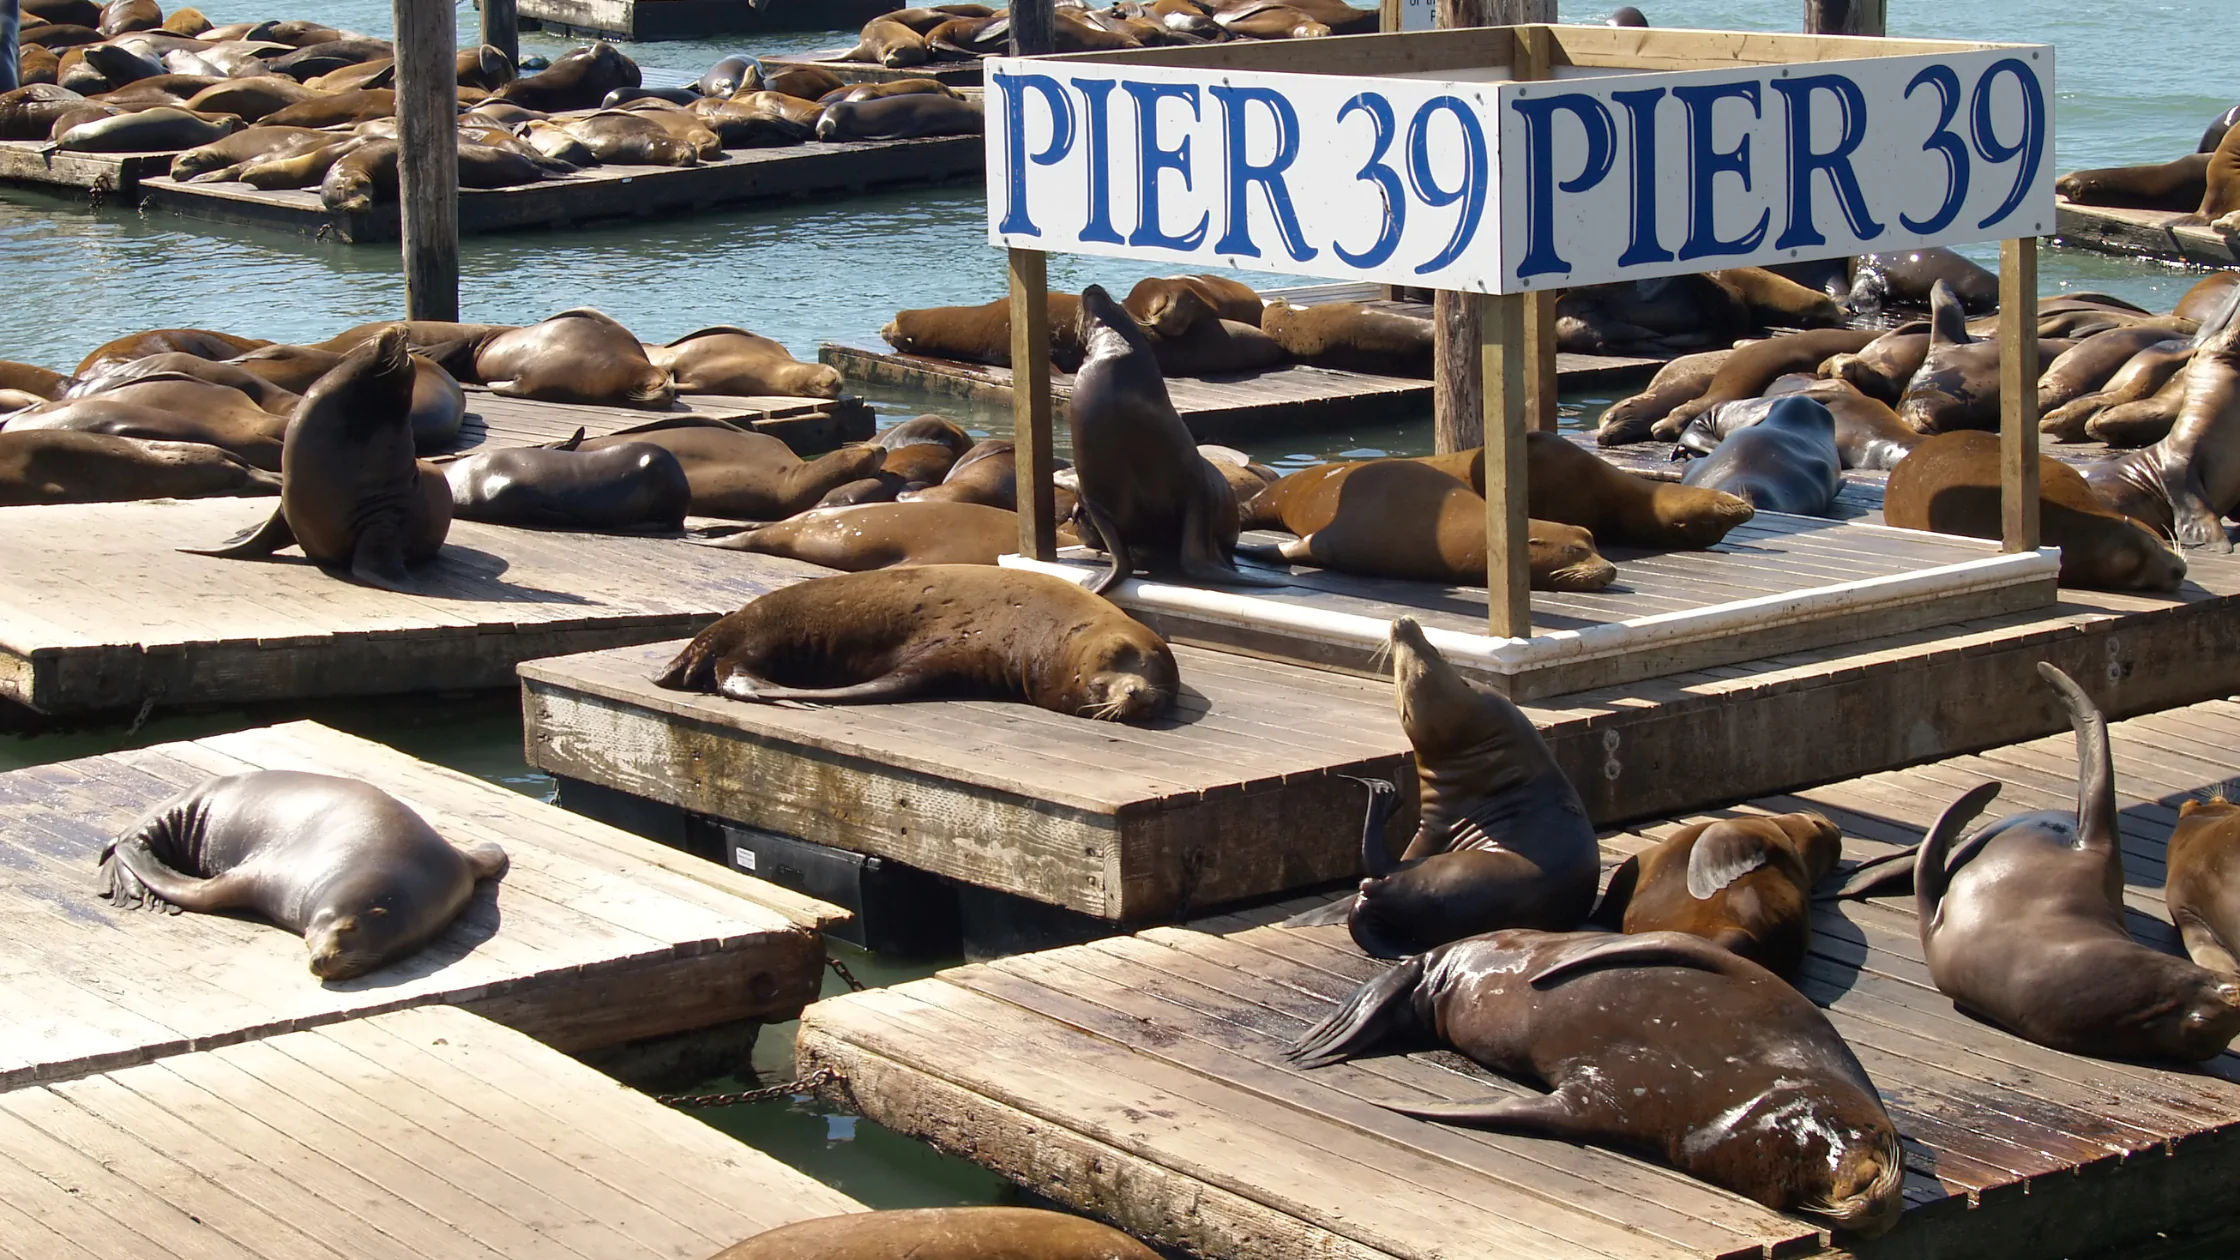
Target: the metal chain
(140, 719)
(801, 1085)
(854, 985)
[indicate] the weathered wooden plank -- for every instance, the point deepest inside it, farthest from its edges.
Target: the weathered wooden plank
(99, 174)
(2141, 234)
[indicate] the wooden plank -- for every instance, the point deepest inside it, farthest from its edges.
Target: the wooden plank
(32, 162)
(2018, 375)
(2141, 234)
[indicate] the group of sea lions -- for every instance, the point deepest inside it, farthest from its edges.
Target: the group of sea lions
(967, 32)
(2204, 185)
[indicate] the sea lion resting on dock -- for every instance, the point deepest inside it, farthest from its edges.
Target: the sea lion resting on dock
(1351, 337)
(1787, 462)
(1868, 433)
(1662, 1044)
(727, 360)
(953, 1233)
(982, 334)
(934, 630)
(1682, 380)
(168, 408)
(2187, 482)
(1568, 485)
(1744, 884)
(866, 536)
(364, 879)
(2203, 884)
(64, 466)
(631, 486)
(743, 475)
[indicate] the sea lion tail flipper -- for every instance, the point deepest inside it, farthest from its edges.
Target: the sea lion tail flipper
(1610, 914)
(486, 859)
(1335, 912)
(574, 440)
(1889, 875)
(2096, 775)
(897, 684)
(1648, 949)
(1537, 1115)
(1384, 797)
(261, 541)
(2207, 949)
(1374, 1012)
(1120, 566)
(1722, 855)
(378, 560)
(1931, 874)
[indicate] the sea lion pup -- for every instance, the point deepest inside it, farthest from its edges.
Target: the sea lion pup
(742, 475)
(1787, 462)
(1748, 369)
(1572, 486)
(1744, 884)
(1661, 1044)
(1169, 305)
(1153, 501)
(951, 1233)
(1351, 337)
(1950, 485)
(865, 536)
(982, 334)
(2178, 185)
(2022, 924)
(2203, 887)
(351, 493)
(2189, 480)
(727, 360)
(631, 486)
(365, 880)
(1682, 380)
(65, 466)
(1503, 840)
(935, 630)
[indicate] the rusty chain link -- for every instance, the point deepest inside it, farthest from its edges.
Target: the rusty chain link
(854, 985)
(800, 1085)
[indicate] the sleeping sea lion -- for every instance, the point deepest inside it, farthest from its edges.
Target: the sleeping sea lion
(888, 43)
(363, 878)
(1958, 384)
(1750, 368)
(885, 535)
(195, 341)
(65, 466)
(1166, 306)
(162, 129)
(982, 334)
(628, 486)
(1570, 485)
(1351, 337)
(934, 630)
(2142, 380)
(2202, 887)
(948, 1233)
(1744, 884)
(1882, 368)
(579, 80)
(727, 360)
(176, 409)
(578, 356)
(1787, 462)
(2189, 480)
(2087, 366)
(2176, 185)
(1681, 380)
(1869, 434)
(912, 116)
(742, 475)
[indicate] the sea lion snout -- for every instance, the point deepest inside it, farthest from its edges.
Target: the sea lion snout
(1866, 1196)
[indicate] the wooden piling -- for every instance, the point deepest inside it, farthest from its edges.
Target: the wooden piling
(1846, 17)
(1034, 33)
(428, 157)
(2018, 393)
(1504, 362)
(501, 28)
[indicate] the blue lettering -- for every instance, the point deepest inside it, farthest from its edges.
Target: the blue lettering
(1642, 242)
(1242, 174)
(1387, 180)
(1151, 159)
(1540, 255)
(1471, 192)
(1706, 163)
(1836, 162)
(1014, 88)
(1942, 140)
(1097, 94)
(2031, 146)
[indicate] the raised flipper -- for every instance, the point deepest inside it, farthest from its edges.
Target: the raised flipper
(377, 560)
(1888, 876)
(1323, 916)
(1647, 949)
(1610, 913)
(1376, 857)
(900, 684)
(1372, 1015)
(250, 544)
(1722, 855)
(1114, 547)
(2096, 773)
(485, 859)
(1931, 874)
(2205, 947)
(1534, 1115)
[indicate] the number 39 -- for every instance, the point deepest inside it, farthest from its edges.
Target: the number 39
(2029, 147)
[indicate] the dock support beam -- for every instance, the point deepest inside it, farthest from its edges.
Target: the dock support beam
(428, 156)
(1034, 33)
(1503, 320)
(1846, 17)
(501, 28)
(2018, 394)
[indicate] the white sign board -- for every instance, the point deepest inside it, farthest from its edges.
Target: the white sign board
(1507, 187)
(1418, 15)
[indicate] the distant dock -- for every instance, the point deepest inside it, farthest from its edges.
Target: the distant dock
(648, 20)
(2142, 234)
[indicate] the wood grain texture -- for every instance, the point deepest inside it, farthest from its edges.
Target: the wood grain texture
(2141, 234)
(428, 156)
(1036, 458)
(2018, 375)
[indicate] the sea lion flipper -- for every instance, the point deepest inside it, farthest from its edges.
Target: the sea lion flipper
(1888, 876)
(1537, 1115)
(1120, 566)
(486, 859)
(1610, 914)
(261, 541)
(1384, 797)
(898, 684)
(1323, 916)
(2207, 950)
(1722, 855)
(1650, 949)
(137, 877)
(2096, 774)
(574, 440)
(1374, 1012)
(378, 559)
(1931, 873)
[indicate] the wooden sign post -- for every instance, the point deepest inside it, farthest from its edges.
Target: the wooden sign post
(428, 156)
(1033, 34)
(2018, 394)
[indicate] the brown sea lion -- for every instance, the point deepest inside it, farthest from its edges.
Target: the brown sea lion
(951, 1233)
(1351, 337)
(1571, 485)
(312, 60)
(2177, 185)
(2206, 299)
(894, 87)
(121, 16)
(1682, 380)
(224, 159)
(888, 43)
(439, 405)
(2187, 482)
(486, 67)
(1217, 347)
(340, 109)
(578, 356)
(746, 476)
(1169, 305)
(1661, 1044)
(1868, 434)
(987, 474)
(922, 450)
(156, 130)
(807, 84)
(2143, 379)
(351, 494)
(1246, 478)
(1750, 368)
(620, 137)
(1264, 19)
(31, 379)
(68, 12)
(64, 466)
(164, 91)
(630, 486)
(295, 33)
(196, 341)
(361, 877)
(35, 65)
(378, 73)
(2087, 366)
(173, 409)
(1776, 301)
(188, 22)
(1744, 884)
(56, 36)
(917, 115)
(2203, 884)
(935, 630)
(1401, 518)
(727, 360)
(2220, 193)
(304, 169)
(578, 80)
(885, 535)
(266, 395)
(249, 100)
(1950, 485)
(982, 334)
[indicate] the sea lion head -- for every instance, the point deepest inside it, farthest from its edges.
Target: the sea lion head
(1626, 16)
(1119, 672)
(1438, 709)
(1865, 1191)
(1106, 329)
(1564, 558)
(2196, 1021)
(347, 945)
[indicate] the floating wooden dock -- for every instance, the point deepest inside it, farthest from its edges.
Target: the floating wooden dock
(960, 74)
(33, 163)
(600, 193)
(809, 425)
(1141, 1079)
(99, 609)
(2142, 234)
(647, 20)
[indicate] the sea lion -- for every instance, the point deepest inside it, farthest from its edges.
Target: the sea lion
(749, 124)
(267, 396)
(885, 535)
(121, 16)
(172, 410)
(982, 334)
(31, 379)
(2176, 185)
(1744, 884)
(1682, 380)
(1662, 1044)
(1663, 316)
(2203, 884)
(340, 109)
(943, 629)
(578, 356)
(2217, 129)
(486, 67)
(1153, 501)
(351, 494)
(1403, 518)
(802, 83)
(120, 65)
(579, 80)
(1957, 386)
(1570, 485)
(2023, 923)
(196, 341)
(727, 360)
(630, 486)
(2206, 300)
(2189, 480)
(147, 131)
(987, 474)
(895, 87)
(921, 451)
(1246, 477)
(1503, 840)
(728, 75)
(1869, 434)
(745, 476)
(888, 43)
(1908, 277)
(914, 116)
(1625, 15)
(1950, 485)
(1217, 347)
(1776, 301)
(2087, 366)
(2143, 379)
(250, 100)
(1750, 368)
(1351, 337)
(295, 33)
(309, 61)
(619, 137)
(65, 466)
(1167, 306)
(1263, 19)
(363, 878)
(2220, 194)
(68, 12)
(223, 159)
(439, 405)
(1786, 462)
(950, 1233)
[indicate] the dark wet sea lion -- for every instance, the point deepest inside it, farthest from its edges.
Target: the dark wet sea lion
(1168, 305)
(2189, 480)
(1154, 502)
(727, 360)
(1662, 1044)
(120, 65)
(1869, 434)
(578, 356)
(888, 43)
(2217, 129)
(56, 36)
(1957, 386)
(1908, 276)
(1682, 380)
(2176, 185)
(1662, 316)
(950, 1233)
(1950, 484)
(1351, 337)
(1786, 462)
(1570, 485)
(195, 341)
(351, 494)
(1503, 840)
(1625, 15)
(631, 486)
(747, 476)
(917, 115)
(982, 334)
(2087, 366)
(67, 12)
(1744, 884)
(365, 880)
(309, 61)
(935, 630)
(1403, 518)
(1749, 369)
(728, 75)
(886, 535)
(65, 466)
(2203, 885)
(147, 131)
(579, 80)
